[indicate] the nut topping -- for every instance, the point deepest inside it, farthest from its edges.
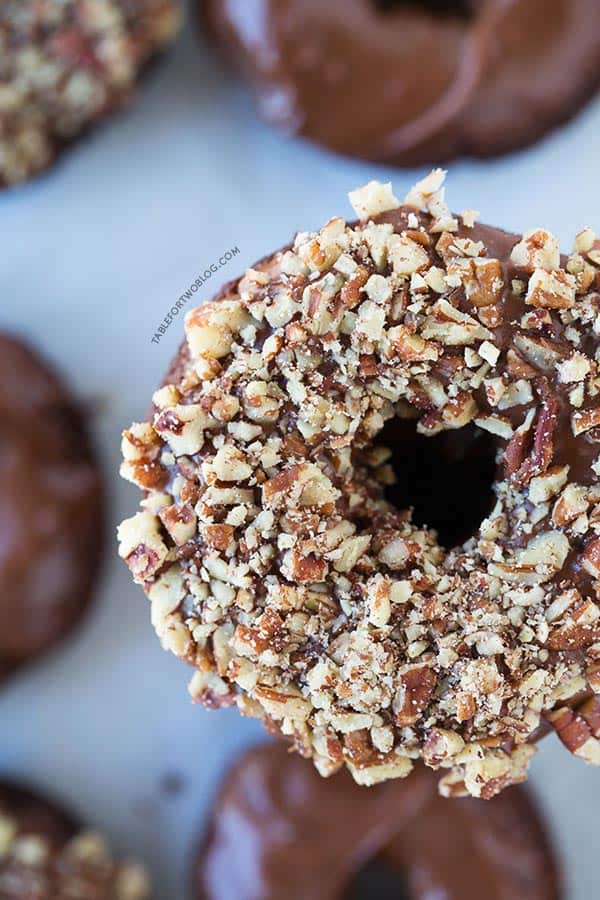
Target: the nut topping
(271, 557)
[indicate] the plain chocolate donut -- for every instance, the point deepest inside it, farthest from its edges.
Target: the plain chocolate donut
(51, 508)
(414, 82)
(278, 831)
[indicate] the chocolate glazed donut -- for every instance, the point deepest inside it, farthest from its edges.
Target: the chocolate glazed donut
(51, 508)
(413, 82)
(278, 830)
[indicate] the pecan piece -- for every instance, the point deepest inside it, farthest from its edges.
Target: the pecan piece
(414, 693)
(307, 569)
(579, 729)
(441, 745)
(217, 536)
(410, 346)
(484, 283)
(590, 559)
(542, 451)
(581, 629)
(584, 420)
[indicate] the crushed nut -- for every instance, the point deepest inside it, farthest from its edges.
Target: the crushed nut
(274, 563)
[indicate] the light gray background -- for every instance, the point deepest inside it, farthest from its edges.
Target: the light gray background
(91, 258)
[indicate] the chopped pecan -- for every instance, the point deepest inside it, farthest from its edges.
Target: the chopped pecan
(349, 296)
(484, 283)
(416, 687)
(517, 367)
(539, 352)
(211, 690)
(551, 290)
(580, 630)
(441, 745)
(306, 569)
(406, 256)
(542, 452)
(217, 536)
(373, 199)
(368, 365)
(210, 328)
(410, 346)
(590, 558)
(537, 250)
(283, 703)
(571, 504)
(263, 635)
(180, 522)
(358, 748)
(579, 729)
(584, 420)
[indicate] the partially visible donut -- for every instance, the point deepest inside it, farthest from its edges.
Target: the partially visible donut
(274, 563)
(64, 66)
(44, 855)
(278, 830)
(51, 508)
(413, 81)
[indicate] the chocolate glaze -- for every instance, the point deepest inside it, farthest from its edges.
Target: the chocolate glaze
(412, 82)
(51, 518)
(278, 830)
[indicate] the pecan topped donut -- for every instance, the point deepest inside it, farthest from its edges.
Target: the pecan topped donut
(274, 562)
(65, 65)
(43, 855)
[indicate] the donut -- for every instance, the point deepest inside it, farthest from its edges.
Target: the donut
(278, 830)
(51, 508)
(45, 856)
(65, 66)
(413, 82)
(274, 560)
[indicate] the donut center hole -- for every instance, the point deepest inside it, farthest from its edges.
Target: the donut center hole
(447, 479)
(447, 9)
(377, 880)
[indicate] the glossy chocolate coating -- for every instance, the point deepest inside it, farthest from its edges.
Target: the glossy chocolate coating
(51, 521)
(280, 830)
(412, 82)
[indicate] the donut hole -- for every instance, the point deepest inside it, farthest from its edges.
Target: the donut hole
(446, 479)
(377, 880)
(447, 9)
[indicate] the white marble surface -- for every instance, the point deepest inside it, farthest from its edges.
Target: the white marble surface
(93, 255)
